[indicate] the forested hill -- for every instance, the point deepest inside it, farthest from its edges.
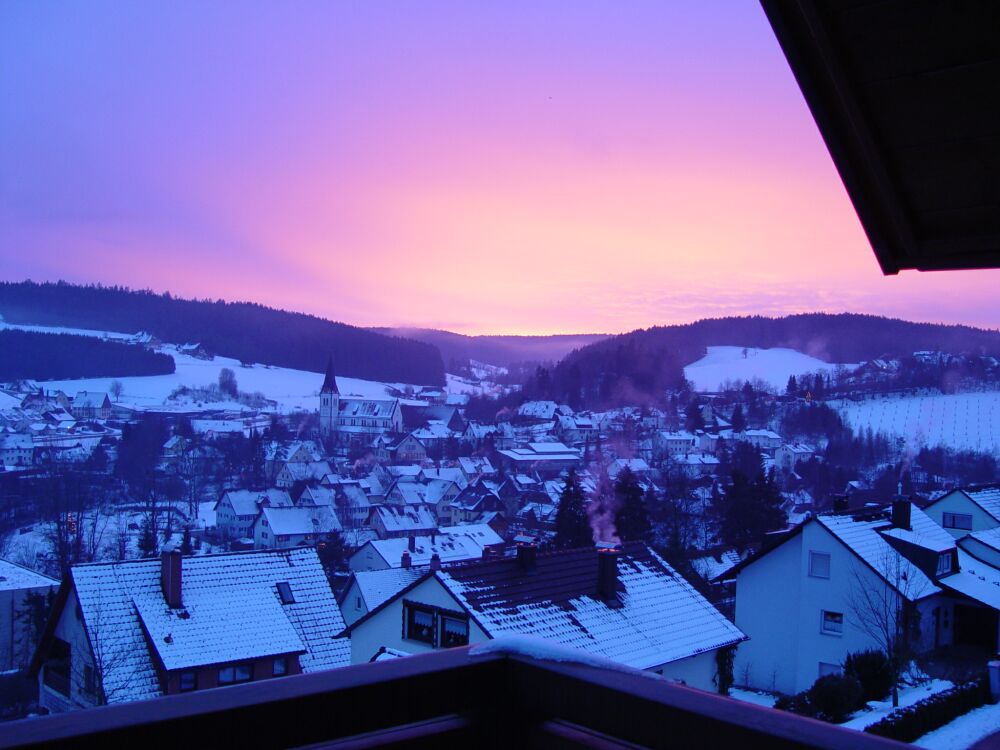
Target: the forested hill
(641, 363)
(242, 330)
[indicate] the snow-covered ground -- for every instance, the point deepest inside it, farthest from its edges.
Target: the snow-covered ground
(290, 389)
(773, 366)
(965, 421)
(963, 732)
(752, 696)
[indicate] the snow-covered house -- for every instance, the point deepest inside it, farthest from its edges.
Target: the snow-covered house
(476, 466)
(817, 594)
(91, 405)
(675, 443)
(302, 471)
(392, 521)
(140, 629)
(637, 466)
(966, 509)
(625, 605)
(457, 544)
(19, 587)
(367, 589)
(788, 456)
(281, 528)
(16, 449)
(549, 458)
(409, 450)
(238, 509)
(766, 440)
(538, 411)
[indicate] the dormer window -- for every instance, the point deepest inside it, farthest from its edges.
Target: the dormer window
(285, 592)
(944, 564)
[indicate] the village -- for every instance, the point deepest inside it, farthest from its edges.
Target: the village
(665, 540)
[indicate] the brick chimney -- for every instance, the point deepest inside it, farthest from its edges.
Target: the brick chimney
(412, 544)
(435, 561)
(901, 514)
(526, 553)
(405, 561)
(170, 577)
(607, 575)
(840, 503)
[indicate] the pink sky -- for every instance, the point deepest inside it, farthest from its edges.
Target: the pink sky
(524, 167)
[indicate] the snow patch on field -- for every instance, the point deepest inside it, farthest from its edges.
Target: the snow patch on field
(964, 421)
(773, 366)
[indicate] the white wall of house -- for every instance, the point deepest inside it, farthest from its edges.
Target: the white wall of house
(366, 558)
(957, 502)
(695, 671)
(70, 629)
(780, 607)
(385, 628)
(352, 607)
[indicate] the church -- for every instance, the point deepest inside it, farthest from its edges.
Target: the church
(352, 421)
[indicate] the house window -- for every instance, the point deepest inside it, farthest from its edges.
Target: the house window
(832, 623)
(189, 681)
(454, 631)
(944, 563)
(280, 667)
(89, 680)
(419, 622)
(285, 593)
(825, 668)
(357, 603)
(237, 673)
(819, 564)
(957, 521)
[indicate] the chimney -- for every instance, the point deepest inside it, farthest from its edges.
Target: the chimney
(405, 560)
(170, 577)
(901, 514)
(840, 503)
(526, 553)
(412, 544)
(435, 561)
(607, 574)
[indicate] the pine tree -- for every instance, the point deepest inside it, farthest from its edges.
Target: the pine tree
(632, 518)
(738, 421)
(793, 387)
(572, 525)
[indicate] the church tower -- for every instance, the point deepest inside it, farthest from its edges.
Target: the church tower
(329, 402)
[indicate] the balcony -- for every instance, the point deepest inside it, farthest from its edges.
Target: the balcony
(483, 700)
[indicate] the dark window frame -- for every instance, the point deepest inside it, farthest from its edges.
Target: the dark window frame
(187, 688)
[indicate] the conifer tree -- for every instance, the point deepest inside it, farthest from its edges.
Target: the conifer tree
(738, 421)
(572, 525)
(632, 518)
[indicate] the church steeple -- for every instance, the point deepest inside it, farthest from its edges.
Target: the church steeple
(330, 382)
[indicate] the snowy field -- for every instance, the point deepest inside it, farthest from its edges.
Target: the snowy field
(291, 389)
(964, 421)
(773, 366)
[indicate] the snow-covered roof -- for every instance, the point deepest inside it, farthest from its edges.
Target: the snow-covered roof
(635, 465)
(90, 400)
(248, 502)
(450, 548)
(376, 586)
(233, 612)
(14, 576)
(405, 518)
(538, 409)
(711, 567)
(302, 520)
(975, 579)
(986, 497)
(658, 618)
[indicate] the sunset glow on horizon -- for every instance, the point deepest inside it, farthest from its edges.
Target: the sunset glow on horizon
(526, 168)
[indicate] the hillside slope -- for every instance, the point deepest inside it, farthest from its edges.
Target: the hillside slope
(241, 330)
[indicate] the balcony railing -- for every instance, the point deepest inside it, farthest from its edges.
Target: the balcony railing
(440, 699)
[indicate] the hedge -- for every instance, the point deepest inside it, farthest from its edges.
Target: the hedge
(907, 724)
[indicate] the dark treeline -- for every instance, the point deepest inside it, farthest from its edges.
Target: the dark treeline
(242, 330)
(46, 356)
(630, 372)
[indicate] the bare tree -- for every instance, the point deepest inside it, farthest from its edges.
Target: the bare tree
(882, 607)
(115, 389)
(111, 649)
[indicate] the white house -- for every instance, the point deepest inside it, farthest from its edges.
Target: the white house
(788, 456)
(809, 600)
(367, 589)
(140, 629)
(238, 509)
(20, 590)
(282, 527)
(452, 544)
(624, 605)
(390, 521)
(16, 449)
(966, 509)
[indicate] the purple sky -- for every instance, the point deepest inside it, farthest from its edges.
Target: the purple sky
(509, 167)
